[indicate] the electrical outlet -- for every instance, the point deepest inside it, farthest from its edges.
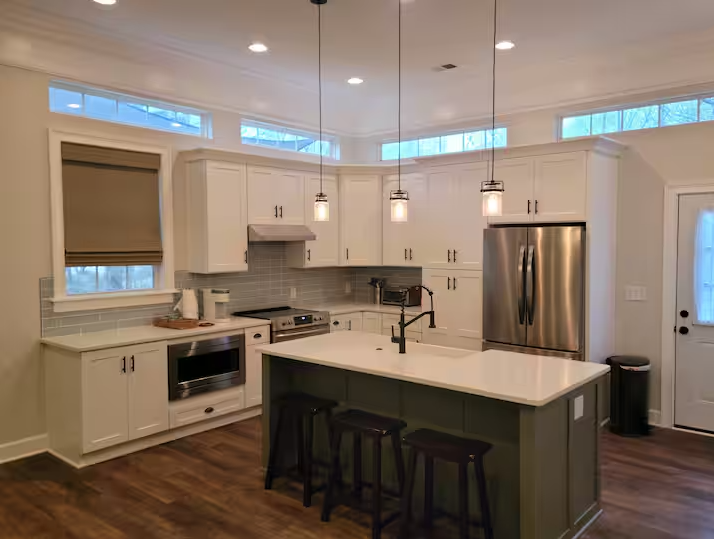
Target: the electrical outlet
(579, 407)
(348, 287)
(635, 293)
(293, 292)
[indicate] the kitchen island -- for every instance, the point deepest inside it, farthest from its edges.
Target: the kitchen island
(540, 414)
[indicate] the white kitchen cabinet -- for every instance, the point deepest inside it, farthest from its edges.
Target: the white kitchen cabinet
(217, 217)
(346, 322)
(413, 333)
(517, 177)
(124, 394)
(403, 243)
(372, 323)
(254, 365)
(454, 235)
(458, 307)
(276, 196)
(325, 250)
(361, 220)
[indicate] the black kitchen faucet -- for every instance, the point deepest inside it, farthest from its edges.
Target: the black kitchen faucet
(403, 324)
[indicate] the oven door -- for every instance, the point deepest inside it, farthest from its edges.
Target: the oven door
(203, 366)
(292, 334)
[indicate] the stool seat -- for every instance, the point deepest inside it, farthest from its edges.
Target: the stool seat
(446, 446)
(367, 423)
(303, 403)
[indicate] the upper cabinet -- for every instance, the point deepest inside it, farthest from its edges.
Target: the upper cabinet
(277, 196)
(217, 217)
(325, 250)
(403, 243)
(361, 220)
(543, 189)
(453, 237)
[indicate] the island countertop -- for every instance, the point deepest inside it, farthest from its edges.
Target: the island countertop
(508, 376)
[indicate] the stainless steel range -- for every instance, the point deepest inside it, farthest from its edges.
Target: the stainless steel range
(287, 324)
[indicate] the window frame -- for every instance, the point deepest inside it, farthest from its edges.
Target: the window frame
(163, 291)
(206, 117)
(463, 132)
(334, 140)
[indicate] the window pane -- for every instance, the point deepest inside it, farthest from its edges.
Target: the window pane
(430, 146)
(704, 268)
(576, 126)
(111, 278)
(390, 150)
(100, 107)
(706, 111)
(500, 137)
(606, 122)
(640, 118)
(81, 280)
(410, 148)
(249, 132)
(132, 113)
(452, 143)
(474, 141)
(62, 100)
(682, 112)
(140, 277)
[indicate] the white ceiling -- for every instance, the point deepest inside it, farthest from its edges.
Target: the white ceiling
(567, 51)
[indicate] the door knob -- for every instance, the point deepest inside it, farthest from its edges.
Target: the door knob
(683, 330)
(684, 313)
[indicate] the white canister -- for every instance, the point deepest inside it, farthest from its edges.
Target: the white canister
(189, 304)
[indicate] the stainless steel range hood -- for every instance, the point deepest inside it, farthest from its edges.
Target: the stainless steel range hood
(280, 233)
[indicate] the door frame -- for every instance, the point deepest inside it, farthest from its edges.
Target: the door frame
(669, 291)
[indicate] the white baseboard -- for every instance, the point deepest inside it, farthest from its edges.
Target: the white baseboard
(655, 418)
(23, 448)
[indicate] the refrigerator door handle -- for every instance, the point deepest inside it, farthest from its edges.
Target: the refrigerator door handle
(530, 285)
(519, 280)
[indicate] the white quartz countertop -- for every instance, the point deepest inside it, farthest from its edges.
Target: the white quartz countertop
(100, 340)
(336, 309)
(507, 376)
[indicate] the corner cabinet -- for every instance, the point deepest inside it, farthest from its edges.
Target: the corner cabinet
(277, 196)
(403, 242)
(325, 250)
(361, 220)
(217, 217)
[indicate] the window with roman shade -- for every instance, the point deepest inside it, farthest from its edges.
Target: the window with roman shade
(111, 207)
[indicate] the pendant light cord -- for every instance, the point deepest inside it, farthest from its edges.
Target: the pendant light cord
(319, 78)
(399, 98)
(493, 93)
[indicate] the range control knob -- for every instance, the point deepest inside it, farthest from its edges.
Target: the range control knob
(283, 323)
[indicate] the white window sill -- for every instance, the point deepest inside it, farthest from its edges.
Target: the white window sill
(112, 300)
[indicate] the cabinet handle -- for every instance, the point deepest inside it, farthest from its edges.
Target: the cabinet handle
(348, 254)
(536, 207)
(454, 287)
(281, 212)
(308, 255)
(209, 410)
(276, 212)
(245, 256)
(132, 364)
(123, 365)
(448, 283)
(349, 325)
(529, 207)
(454, 256)
(258, 336)
(405, 254)
(448, 256)
(410, 253)
(335, 323)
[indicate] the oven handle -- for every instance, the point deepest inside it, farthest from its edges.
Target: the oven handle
(320, 330)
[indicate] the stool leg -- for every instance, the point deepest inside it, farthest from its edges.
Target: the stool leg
(463, 501)
(406, 502)
(428, 491)
(298, 422)
(357, 468)
(274, 449)
(332, 477)
(483, 499)
(307, 470)
(377, 489)
(398, 460)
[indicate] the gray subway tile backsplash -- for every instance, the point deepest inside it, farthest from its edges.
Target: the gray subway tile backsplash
(267, 283)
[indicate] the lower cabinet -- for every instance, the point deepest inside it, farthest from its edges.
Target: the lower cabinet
(458, 307)
(254, 365)
(207, 406)
(372, 323)
(346, 322)
(124, 395)
(413, 332)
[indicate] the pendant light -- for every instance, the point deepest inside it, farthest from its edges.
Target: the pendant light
(399, 199)
(322, 206)
(491, 190)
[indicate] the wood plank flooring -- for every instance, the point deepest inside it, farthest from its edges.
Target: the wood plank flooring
(210, 486)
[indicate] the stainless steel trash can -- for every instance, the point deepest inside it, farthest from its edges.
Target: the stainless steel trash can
(629, 395)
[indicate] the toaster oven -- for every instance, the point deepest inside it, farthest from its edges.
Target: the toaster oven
(395, 295)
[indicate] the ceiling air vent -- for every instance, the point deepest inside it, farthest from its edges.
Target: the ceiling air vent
(444, 67)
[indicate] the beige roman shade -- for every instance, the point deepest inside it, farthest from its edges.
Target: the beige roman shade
(111, 207)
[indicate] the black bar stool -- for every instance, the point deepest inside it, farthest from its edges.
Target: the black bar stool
(297, 410)
(462, 451)
(374, 427)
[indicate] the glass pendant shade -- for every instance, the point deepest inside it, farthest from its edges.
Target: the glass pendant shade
(322, 207)
(492, 198)
(400, 210)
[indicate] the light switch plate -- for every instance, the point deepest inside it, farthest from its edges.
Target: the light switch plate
(293, 292)
(635, 293)
(579, 407)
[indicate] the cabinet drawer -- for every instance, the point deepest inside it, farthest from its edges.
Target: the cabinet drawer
(207, 407)
(389, 320)
(259, 335)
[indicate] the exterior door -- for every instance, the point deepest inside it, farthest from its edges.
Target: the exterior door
(560, 188)
(694, 387)
(148, 390)
(323, 252)
(504, 316)
(554, 287)
(517, 178)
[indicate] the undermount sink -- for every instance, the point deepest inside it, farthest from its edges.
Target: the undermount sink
(432, 350)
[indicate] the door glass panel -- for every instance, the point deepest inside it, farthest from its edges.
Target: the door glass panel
(704, 268)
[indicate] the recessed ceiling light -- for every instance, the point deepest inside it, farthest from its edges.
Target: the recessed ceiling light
(106, 2)
(505, 45)
(355, 80)
(258, 47)
(176, 124)
(74, 106)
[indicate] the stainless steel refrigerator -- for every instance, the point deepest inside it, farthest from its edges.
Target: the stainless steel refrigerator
(533, 282)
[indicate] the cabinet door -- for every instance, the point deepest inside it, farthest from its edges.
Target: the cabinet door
(148, 390)
(354, 322)
(517, 178)
(105, 399)
(403, 243)
(372, 323)
(441, 197)
(263, 196)
(227, 218)
(466, 233)
(324, 251)
(466, 304)
(560, 187)
(253, 376)
(361, 220)
(290, 195)
(441, 283)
